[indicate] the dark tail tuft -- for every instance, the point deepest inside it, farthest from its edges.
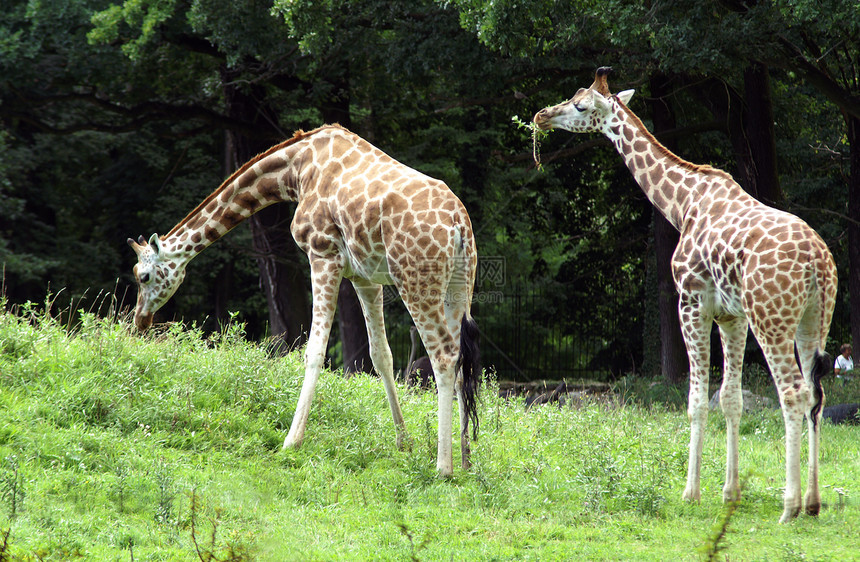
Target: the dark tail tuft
(470, 361)
(820, 367)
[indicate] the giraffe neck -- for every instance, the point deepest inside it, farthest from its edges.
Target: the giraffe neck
(673, 185)
(272, 177)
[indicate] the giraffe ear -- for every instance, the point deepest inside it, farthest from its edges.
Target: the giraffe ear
(625, 96)
(155, 242)
(599, 102)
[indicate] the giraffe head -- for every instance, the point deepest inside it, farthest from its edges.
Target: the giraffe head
(587, 111)
(157, 275)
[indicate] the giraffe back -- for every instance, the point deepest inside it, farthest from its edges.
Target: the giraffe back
(380, 215)
(752, 260)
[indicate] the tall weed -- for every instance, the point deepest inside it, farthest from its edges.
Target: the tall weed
(118, 437)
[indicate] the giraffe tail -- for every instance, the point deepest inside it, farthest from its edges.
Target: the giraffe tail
(820, 367)
(470, 362)
(825, 280)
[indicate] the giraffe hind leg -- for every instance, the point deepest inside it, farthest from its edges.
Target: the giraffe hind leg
(463, 330)
(812, 500)
(794, 397)
(468, 383)
(443, 351)
(370, 297)
(814, 364)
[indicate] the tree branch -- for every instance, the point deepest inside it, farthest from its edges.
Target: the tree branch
(831, 89)
(133, 117)
(264, 72)
(664, 136)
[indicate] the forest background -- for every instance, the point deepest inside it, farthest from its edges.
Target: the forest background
(117, 118)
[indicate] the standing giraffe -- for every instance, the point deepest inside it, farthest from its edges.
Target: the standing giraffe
(739, 263)
(364, 216)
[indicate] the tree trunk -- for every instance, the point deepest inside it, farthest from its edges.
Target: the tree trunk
(353, 332)
(853, 227)
(749, 122)
(757, 154)
(223, 288)
(758, 134)
(673, 353)
(281, 277)
(350, 318)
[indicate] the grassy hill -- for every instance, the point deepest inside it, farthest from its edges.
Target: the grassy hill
(115, 446)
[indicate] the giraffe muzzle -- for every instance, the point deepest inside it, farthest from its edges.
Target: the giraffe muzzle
(143, 321)
(542, 119)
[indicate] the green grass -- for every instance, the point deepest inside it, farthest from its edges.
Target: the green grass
(115, 446)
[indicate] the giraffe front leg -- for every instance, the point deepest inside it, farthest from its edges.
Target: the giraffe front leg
(370, 297)
(695, 328)
(733, 334)
(697, 412)
(313, 366)
(325, 286)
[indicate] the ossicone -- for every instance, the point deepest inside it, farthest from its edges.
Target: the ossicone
(601, 84)
(141, 243)
(138, 245)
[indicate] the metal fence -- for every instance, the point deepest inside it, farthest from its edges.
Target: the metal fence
(521, 345)
(520, 340)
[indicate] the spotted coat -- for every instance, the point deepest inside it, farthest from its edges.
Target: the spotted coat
(739, 263)
(362, 215)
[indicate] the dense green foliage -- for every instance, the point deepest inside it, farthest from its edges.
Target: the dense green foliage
(113, 118)
(118, 447)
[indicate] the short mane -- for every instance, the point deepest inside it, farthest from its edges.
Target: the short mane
(700, 168)
(297, 136)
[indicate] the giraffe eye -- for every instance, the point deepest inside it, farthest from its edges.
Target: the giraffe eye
(144, 279)
(578, 107)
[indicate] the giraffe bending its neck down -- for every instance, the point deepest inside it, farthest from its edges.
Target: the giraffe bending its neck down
(364, 216)
(739, 263)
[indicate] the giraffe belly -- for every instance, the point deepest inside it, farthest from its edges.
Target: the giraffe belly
(724, 298)
(715, 300)
(727, 304)
(370, 268)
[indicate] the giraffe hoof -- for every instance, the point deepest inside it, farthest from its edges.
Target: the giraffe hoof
(466, 458)
(404, 442)
(731, 495)
(445, 471)
(812, 502)
(789, 514)
(691, 496)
